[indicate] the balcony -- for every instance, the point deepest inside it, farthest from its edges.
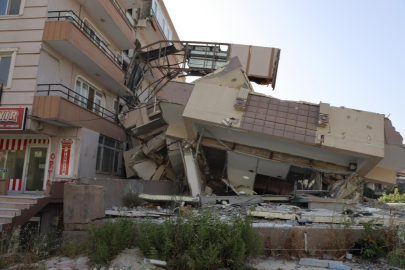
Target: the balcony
(58, 105)
(132, 3)
(113, 20)
(69, 36)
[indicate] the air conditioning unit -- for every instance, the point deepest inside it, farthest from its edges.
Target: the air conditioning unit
(142, 23)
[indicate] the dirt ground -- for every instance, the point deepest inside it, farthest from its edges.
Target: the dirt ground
(133, 259)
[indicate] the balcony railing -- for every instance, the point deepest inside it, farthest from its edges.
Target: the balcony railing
(69, 94)
(71, 16)
(123, 13)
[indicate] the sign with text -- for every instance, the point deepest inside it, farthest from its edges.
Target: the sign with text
(13, 118)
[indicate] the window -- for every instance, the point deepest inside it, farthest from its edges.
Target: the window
(12, 164)
(7, 59)
(10, 7)
(109, 156)
(88, 97)
(162, 21)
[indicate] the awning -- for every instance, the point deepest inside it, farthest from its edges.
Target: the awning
(20, 144)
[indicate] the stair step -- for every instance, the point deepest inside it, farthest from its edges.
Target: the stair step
(10, 211)
(15, 205)
(20, 199)
(6, 219)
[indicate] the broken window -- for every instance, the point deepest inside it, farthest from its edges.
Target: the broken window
(10, 7)
(109, 156)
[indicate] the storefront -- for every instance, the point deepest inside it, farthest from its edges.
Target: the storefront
(24, 161)
(23, 157)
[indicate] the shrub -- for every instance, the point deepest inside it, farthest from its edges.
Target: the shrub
(393, 197)
(131, 200)
(109, 239)
(372, 241)
(200, 241)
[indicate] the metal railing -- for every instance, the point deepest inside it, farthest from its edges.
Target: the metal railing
(65, 92)
(123, 13)
(71, 16)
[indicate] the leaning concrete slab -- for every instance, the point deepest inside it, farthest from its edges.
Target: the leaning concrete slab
(193, 176)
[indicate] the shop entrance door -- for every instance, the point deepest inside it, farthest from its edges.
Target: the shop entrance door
(35, 169)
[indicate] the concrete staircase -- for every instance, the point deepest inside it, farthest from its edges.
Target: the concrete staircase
(17, 210)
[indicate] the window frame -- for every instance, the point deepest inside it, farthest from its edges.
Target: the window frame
(20, 13)
(97, 90)
(118, 151)
(13, 53)
(161, 19)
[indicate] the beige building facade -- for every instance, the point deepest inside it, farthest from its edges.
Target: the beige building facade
(63, 68)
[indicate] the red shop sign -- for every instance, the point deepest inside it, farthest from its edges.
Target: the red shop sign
(13, 118)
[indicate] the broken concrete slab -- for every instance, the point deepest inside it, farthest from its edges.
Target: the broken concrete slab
(136, 213)
(127, 158)
(336, 219)
(175, 156)
(169, 198)
(139, 164)
(255, 199)
(337, 205)
(315, 262)
(159, 172)
(273, 215)
(193, 174)
(155, 144)
(148, 130)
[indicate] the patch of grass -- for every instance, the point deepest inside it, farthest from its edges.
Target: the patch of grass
(131, 200)
(200, 241)
(106, 241)
(72, 248)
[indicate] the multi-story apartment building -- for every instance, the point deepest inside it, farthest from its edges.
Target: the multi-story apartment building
(63, 65)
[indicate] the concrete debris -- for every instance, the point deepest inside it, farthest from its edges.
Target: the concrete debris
(323, 263)
(156, 262)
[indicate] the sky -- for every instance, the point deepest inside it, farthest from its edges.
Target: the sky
(346, 53)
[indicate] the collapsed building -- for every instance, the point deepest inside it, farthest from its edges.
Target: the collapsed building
(219, 136)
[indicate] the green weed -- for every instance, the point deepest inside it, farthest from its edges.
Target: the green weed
(109, 239)
(200, 241)
(396, 197)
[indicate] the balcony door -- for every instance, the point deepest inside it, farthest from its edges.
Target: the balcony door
(88, 97)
